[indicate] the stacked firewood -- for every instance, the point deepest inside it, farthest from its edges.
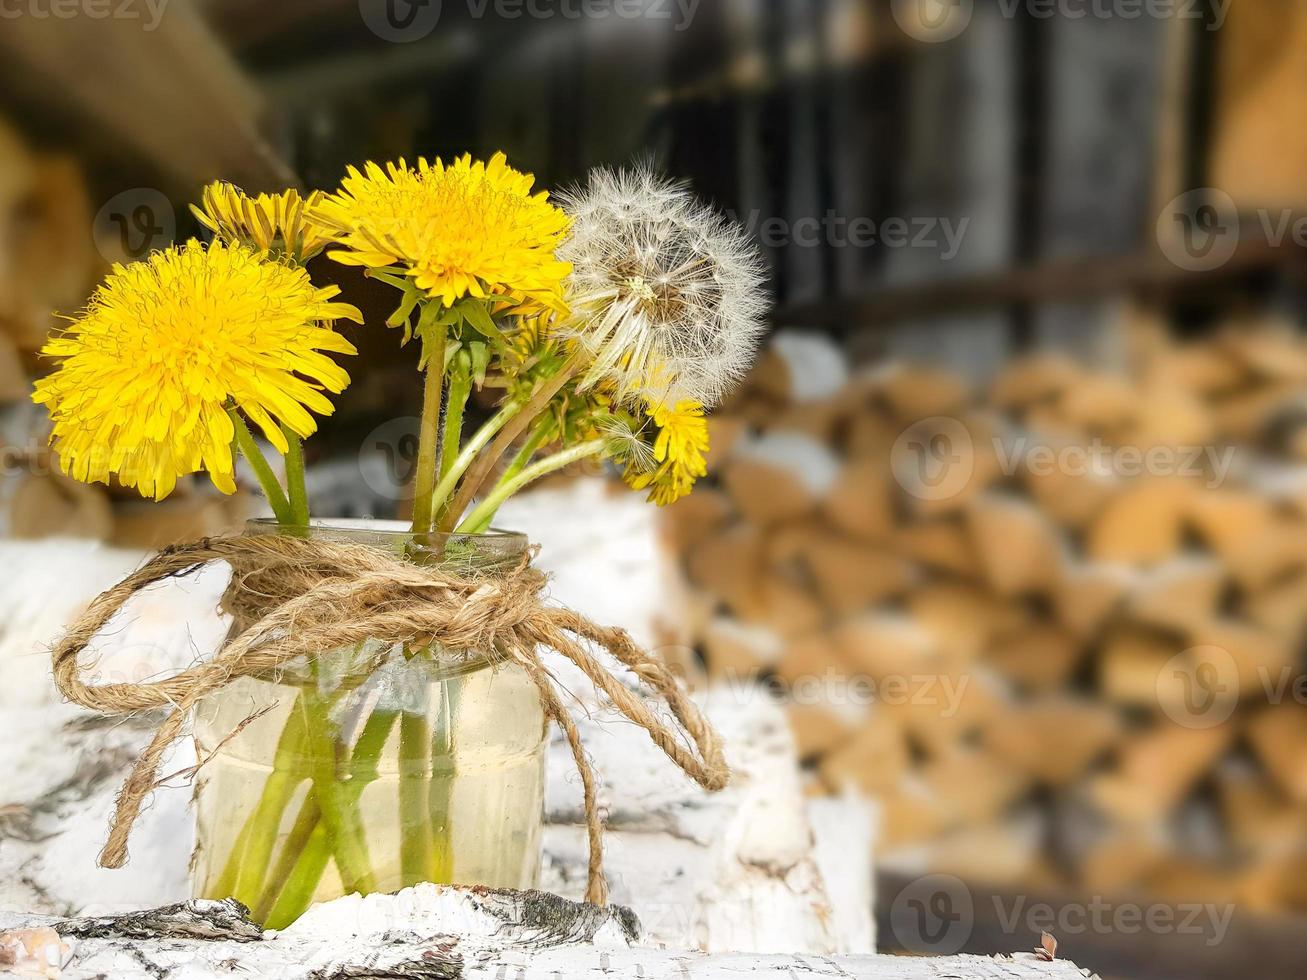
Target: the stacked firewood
(50, 258)
(1053, 623)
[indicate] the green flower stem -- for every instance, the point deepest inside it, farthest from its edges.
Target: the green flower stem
(468, 457)
(524, 416)
(428, 465)
(538, 437)
(443, 767)
(460, 388)
(290, 892)
(288, 859)
(267, 479)
(336, 801)
(299, 497)
(261, 831)
(550, 464)
(414, 817)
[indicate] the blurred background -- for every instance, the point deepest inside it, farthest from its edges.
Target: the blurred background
(1012, 513)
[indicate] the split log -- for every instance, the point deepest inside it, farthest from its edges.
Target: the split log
(1055, 738)
(1179, 593)
(942, 544)
(1089, 593)
(1033, 379)
(1142, 525)
(1278, 736)
(859, 501)
(454, 933)
(1018, 547)
(914, 393)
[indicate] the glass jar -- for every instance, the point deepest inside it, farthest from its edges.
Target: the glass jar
(374, 767)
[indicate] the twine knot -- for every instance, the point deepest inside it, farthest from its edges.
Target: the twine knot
(294, 598)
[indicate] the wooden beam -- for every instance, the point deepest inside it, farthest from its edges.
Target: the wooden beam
(1049, 282)
(158, 87)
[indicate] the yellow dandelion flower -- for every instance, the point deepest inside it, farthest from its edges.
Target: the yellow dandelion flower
(147, 371)
(677, 454)
(682, 436)
(281, 220)
(532, 335)
(466, 229)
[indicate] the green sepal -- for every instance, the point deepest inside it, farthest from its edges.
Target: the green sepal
(479, 361)
(403, 314)
(433, 323)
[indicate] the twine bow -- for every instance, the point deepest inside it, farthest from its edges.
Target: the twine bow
(302, 597)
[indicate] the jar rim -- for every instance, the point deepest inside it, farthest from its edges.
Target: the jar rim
(475, 552)
(346, 527)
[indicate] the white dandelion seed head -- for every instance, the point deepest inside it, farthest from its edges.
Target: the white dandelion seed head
(627, 443)
(667, 296)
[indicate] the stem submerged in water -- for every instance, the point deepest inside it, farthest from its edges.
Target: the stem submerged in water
(290, 893)
(443, 767)
(337, 802)
(414, 818)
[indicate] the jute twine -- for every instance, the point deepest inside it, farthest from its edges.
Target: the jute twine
(299, 598)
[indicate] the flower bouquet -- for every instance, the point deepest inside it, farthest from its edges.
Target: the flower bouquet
(377, 716)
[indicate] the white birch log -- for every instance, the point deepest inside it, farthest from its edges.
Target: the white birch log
(739, 870)
(452, 934)
(742, 870)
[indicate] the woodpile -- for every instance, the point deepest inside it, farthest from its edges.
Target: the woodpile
(1054, 624)
(48, 265)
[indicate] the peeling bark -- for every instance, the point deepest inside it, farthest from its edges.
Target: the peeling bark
(454, 934)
